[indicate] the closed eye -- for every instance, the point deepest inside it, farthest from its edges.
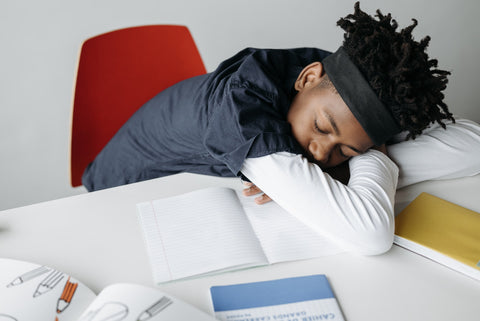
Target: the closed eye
(318, 128)
(350, 148)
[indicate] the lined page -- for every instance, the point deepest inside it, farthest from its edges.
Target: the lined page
(283, 237)
(197, 233)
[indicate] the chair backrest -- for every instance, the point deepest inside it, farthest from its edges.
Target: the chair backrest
(117, 73)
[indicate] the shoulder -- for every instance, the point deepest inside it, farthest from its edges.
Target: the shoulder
(251, 61)
(281, 60)
(271, 70)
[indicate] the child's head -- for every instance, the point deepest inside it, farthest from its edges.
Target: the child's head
(397, 68)
(378, 83)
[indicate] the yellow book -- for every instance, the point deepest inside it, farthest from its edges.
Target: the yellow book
(442, 231)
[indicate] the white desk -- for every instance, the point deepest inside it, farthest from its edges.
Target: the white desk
(96, 238)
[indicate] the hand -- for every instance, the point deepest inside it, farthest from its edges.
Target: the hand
(251, 189)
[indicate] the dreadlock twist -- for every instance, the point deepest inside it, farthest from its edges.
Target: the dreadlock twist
(397, 68)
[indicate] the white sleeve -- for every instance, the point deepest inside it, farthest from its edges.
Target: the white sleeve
(358, 217)
(438, 153)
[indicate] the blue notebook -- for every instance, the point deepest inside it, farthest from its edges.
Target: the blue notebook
(302, 298)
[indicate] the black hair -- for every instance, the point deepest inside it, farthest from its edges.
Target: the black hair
(397, 68)
(326, 83)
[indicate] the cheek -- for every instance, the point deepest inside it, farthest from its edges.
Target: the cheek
(300, 130)
(299, 135)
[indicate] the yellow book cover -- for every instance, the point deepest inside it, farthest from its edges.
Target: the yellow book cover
(442, 231)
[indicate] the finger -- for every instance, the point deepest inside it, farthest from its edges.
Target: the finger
(262, 199)
(246, 183)
(252, 190)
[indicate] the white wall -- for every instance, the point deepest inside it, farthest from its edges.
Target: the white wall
(40, 41)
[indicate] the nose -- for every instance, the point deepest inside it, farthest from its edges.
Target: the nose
(320, 150)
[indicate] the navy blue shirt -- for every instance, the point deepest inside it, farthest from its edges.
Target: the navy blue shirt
(208, 124)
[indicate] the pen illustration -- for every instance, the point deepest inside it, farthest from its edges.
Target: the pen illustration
(155, 308)
(49, 282)
(4, 317)
(67, 295)
(29, 275)
(110, 311)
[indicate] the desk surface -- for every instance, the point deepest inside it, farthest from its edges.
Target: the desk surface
(96, 238)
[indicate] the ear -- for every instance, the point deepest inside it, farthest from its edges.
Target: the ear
(309, 76)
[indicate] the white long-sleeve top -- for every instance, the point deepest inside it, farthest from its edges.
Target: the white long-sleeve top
(438, 153)
(359, 216)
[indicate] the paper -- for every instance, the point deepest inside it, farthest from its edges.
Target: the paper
(282, 236)
(34, 292)
(219, 229)
(186, 235)
(30, 291)
(130, 302)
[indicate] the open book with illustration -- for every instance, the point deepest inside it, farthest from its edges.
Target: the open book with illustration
(218, 229)
(34, 292)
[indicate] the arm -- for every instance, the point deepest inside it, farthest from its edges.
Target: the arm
(438, 153)
(358, 216)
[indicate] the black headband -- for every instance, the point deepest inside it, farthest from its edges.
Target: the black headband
(360, 98)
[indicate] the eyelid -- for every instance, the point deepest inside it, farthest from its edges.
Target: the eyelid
(356, 152)
(350, 149)
(318, 128)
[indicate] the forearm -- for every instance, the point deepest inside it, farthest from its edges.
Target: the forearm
(439, 153)
(357, 216)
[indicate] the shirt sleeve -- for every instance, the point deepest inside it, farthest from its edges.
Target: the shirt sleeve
(438, 153)
(358, 217)
(248, 121)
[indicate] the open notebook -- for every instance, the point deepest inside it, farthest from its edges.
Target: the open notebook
(218, 229)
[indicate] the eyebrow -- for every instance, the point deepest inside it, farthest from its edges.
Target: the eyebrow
(332, 123)
(337, 131)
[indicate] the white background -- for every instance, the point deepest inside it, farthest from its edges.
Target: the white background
(40, 41)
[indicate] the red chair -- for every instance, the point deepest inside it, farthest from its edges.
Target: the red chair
(117, 73)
